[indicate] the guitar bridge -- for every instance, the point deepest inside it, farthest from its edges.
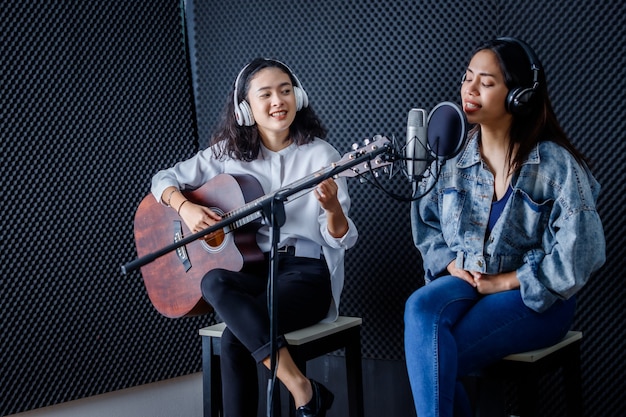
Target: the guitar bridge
(181, 251)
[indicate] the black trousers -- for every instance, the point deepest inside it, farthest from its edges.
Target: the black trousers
(303, 293)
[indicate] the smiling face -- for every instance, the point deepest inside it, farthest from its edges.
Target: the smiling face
(273, 105)
(483, 91)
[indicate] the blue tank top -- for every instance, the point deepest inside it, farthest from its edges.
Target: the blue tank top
(497, 207)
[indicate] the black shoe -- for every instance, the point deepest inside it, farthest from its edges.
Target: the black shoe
(320, 402)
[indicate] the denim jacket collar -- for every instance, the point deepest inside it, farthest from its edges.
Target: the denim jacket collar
(471, 154)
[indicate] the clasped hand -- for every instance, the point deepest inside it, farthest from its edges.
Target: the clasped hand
(486, 283)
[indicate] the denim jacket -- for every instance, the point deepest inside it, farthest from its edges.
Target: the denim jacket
(549, 232)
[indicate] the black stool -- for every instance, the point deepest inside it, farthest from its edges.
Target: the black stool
(304, 344)
(526, 369)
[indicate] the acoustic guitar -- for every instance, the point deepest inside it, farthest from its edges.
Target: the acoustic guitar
(173, 280)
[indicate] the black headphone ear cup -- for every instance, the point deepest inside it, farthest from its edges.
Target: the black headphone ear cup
(518, 100)
(510, 100)
(244, 115)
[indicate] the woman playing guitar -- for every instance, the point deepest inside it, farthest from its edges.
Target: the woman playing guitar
(269, 131)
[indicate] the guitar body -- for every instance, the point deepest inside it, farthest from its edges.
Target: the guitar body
(173, 280)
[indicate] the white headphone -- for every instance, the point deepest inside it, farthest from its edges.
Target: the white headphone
(243, 112)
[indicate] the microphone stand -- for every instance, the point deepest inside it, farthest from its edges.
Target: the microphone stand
(276, 218)
(273, 209)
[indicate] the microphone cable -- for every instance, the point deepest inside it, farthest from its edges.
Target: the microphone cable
(397, 155)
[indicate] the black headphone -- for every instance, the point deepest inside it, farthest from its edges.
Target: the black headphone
(243, 112)
(518, 98)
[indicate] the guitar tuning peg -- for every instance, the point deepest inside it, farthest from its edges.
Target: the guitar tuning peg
(362, 180)
(366, 141)
(355, 146)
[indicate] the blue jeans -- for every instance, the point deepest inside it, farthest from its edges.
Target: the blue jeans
(452, 331)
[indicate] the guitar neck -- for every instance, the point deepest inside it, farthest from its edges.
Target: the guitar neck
(352, 164)
(240, 222)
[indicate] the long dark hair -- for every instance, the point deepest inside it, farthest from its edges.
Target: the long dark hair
(539, 122)
(244, 142)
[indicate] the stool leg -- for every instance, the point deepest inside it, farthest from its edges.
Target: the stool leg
(573, 381)
(489, 396)
(354, 373)
(527, 393)
(211, 378)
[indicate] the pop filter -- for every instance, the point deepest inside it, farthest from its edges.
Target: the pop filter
(447, 128)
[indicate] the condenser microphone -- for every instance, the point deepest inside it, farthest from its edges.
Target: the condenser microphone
(416, 144)
(447, 128)
(445, 131)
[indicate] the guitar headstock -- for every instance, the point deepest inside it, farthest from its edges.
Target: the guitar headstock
(376, 148)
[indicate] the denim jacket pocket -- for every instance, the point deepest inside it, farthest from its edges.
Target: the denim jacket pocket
(530, 221)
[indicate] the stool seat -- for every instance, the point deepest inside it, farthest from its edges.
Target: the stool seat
(527, 368)
(304, 344)
(301, 336)
(535, 355)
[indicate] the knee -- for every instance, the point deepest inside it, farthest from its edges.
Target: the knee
(212, 285)
(431, 300)
(417, 306)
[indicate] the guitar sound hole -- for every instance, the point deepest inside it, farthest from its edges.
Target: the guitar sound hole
(215, 239)
(215, 242)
